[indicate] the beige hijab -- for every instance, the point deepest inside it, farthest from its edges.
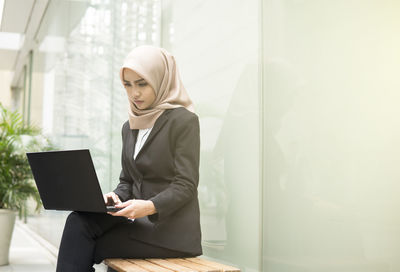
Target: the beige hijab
(158, 68)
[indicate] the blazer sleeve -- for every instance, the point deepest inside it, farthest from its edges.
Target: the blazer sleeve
(186, 162)
(124, 188)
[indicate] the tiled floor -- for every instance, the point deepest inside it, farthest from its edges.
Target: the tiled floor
(26, 254)
(30, 253)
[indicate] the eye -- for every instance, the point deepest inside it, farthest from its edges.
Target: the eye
(142, 84)
(126, 84)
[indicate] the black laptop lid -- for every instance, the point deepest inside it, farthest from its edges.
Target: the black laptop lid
(66, 180)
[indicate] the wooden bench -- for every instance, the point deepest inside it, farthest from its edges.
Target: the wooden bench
(168, 265)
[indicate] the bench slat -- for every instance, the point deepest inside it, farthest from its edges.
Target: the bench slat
(123, 265)
(196, 266)
(169, 265)
(149, 266)
(224, 267)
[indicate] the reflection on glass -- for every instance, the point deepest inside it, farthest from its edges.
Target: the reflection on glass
(214, 44)
(331, 136)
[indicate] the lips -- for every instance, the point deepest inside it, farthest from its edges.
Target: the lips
(138, 101)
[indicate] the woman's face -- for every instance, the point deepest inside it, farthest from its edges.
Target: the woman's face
(141, 93)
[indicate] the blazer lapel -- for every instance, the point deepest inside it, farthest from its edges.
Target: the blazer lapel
(156, 128)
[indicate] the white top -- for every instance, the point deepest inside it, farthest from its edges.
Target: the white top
(141, 139)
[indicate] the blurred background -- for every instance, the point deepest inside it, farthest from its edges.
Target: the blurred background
(298, 105)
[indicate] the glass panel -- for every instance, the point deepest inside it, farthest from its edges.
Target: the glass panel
(215, 45)
(82, 46)
(331, 146)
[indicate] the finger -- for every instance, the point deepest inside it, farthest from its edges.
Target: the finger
(120, 213)
(117, 200)
(124, 204)
(121, 205)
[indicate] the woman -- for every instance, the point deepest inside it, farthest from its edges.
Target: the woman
(157, 193)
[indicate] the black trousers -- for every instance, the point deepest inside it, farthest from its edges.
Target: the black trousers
(90, 238)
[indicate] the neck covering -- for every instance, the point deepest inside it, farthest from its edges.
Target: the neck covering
(158, 67)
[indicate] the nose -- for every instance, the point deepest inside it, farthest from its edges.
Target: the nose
(136, 93)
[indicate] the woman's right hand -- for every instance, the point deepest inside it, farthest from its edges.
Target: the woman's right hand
(113, 196)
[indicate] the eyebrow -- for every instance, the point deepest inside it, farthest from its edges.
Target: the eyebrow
(140, 79)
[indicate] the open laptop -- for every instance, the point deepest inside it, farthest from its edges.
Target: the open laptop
(66, 180)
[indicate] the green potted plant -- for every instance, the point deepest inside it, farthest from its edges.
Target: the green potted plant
(16, 183)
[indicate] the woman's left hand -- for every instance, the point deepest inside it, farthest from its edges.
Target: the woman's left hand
(135, 208)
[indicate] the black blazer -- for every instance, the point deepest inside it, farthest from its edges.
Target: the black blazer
(166, 171)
